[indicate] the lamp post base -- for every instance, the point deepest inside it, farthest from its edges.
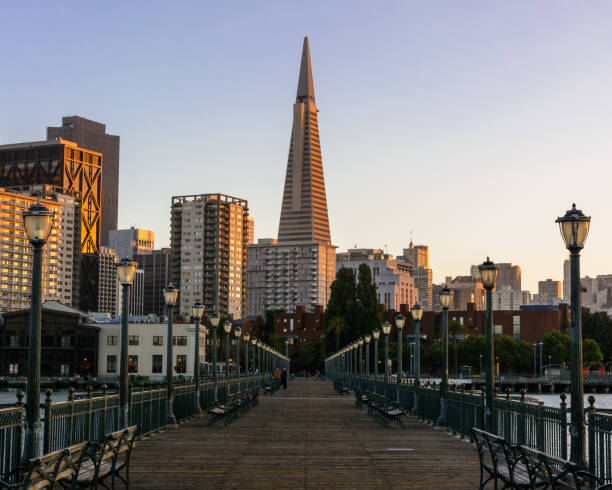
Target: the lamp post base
(124, 417)
(441, 423)
(31, 436)
(197, 409)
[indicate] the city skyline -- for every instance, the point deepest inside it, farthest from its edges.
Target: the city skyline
(424, 109)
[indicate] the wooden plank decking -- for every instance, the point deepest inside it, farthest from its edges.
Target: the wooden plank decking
(304, 437)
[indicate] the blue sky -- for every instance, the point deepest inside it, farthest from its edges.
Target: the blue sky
(473, 124)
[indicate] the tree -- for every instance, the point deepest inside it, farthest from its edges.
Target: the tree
(268, 328)
(336, 326)
(368, 310)
(598, 326)
(591, 353)
(342, 304)
(455, 328)
(470, 350)
(556, 345)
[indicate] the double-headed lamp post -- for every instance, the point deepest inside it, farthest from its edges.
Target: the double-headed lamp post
(227, 328)
(126, 269)
(386, 328)
(197, 311)
(237, 333)
(376, 335)
(574, 226)
(488, 276)
(38, 223)
(368, 339)
(417, 314)
(170, 296)
(445, 300)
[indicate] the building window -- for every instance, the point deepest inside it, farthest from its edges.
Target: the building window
(180, 340)
(516, 327)
(497, 330)
(111, 364)
(14, 341)
(181, 363)
(132, 364)
(158, 340)
(13, 369)
(133, 340)
(64, 370)
(158, 361)
(66, 341)
(112, 340)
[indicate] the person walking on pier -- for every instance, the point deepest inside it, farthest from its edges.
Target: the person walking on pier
(284, 378)
(277, 374)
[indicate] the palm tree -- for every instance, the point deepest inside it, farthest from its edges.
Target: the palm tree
(337, 325)
(455, 328)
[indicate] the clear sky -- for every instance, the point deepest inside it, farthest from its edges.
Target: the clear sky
(473, 124)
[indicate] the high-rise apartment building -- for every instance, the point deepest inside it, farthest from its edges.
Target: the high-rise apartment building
(156, 269)
(208, 238)
(418, 256)
(108, 282)
(549, 289)
(508, 275)
(299, 267)
(92, 136)
(466, 289)
(131, 242)
(507, 298)
(251, 228)
(16, 251)
(395, 285)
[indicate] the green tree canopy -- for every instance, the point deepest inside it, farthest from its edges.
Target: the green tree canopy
(598, 326)
(556, 345)
(369, 316)
(591, 353)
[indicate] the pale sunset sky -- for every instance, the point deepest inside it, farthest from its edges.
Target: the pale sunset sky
(474, 124)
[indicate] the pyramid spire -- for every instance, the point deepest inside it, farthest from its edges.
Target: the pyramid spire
(305, 91)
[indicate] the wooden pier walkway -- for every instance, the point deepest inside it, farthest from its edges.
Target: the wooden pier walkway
(304, 437)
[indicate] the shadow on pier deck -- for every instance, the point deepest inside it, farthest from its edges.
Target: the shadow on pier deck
(304, 437)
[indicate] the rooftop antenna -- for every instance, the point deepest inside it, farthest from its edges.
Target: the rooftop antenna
(410, 237)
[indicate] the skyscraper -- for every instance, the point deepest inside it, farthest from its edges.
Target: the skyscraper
(418, 256)
(131, 242)
(92, 135)
(299, 267)
(208, 239)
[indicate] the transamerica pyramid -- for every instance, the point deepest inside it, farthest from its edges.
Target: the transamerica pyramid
(304, 210)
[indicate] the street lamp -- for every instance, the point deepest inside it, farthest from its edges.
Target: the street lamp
(237, 333)
(376, 335)
(445, 301)
(38, 223)
(574, 227)
(360, 342)
(254, 345)
(400, 320)
(214, 322)
(368, 338)
(417, 314)
(227, 327)
(170, 296)
(259, 356)
(386, 328)
(126, 269)
(488, 276)
(246, 338)
(197, 310)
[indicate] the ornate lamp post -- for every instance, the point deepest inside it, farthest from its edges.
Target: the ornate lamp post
(445, 301)
(376, 335)
(237, 333)
(214, 322)
(170, 296)
(38, 223)
(126, 269)
(259, 356)
(227, 328)
(360, 343)
(197, 311)
(399, 324)
(246, 338)
(386, 328)
(574, 226)
(254, 345)
(368, 339)
(417, 314)
(488, 276)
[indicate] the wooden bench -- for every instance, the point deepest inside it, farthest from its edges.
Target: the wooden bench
(383, 410)
(267, 389)
(84, 465)
(233, 406)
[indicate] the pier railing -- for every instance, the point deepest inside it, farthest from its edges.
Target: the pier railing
(517, 419)
(92, 416)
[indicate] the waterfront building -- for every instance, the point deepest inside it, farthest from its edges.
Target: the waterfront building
(418, 256)
(394, 283)
(299, 267)
(68, 346)
(147, 349)
(208, 242)
(131, 242)
(92, 136)
(156, 276)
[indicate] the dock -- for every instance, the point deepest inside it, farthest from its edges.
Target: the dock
(304, 437)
